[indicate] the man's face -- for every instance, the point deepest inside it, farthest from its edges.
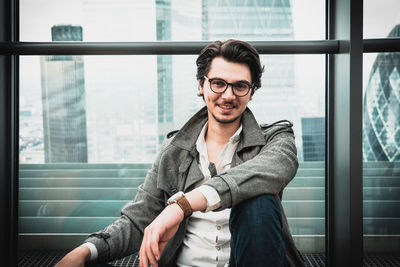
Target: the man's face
(226, 107)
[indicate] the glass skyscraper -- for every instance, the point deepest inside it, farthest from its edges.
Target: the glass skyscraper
(165, 104)
(63, 102)
(313, 134)
(381, 133)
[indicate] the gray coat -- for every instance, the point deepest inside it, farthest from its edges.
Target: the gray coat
(264, 163)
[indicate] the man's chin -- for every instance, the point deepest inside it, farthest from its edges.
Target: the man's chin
(225, 120)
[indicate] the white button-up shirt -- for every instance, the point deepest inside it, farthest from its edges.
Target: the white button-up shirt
(207, 239)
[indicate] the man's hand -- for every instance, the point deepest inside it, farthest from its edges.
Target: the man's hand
(76, 258)
(158, 233)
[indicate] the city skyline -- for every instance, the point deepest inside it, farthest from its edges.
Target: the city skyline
(307, 83)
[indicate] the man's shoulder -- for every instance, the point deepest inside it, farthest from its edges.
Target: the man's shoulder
(272, 129)
(279, 124)
(166, 145)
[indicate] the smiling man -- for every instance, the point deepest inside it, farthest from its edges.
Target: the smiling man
(213, 195)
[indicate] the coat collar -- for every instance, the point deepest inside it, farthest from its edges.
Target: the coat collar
(251, 134)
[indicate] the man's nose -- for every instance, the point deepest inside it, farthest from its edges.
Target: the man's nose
(229, 92)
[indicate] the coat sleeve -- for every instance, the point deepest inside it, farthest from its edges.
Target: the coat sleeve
(267, 173)
(124, 236)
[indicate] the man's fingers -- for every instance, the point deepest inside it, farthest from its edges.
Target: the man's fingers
(143, 262)
(149, 254)
(154, 246)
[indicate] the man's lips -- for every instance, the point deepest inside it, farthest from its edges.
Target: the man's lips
(226, 108)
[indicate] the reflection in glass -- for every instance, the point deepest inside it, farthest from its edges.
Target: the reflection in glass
(381, 153)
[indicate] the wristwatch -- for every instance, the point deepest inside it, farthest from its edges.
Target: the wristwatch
(180, 199)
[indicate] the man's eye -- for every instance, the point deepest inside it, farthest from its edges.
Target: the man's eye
(241, 86)
(218, 83)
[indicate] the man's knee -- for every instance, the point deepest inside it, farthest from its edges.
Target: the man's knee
(257, 236)
(261, 210)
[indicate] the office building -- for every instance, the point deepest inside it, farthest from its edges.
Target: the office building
(165, 103)
(63, 102)
(381, 116)
(313, 135)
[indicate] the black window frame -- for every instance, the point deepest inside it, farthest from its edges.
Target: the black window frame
(343, 48)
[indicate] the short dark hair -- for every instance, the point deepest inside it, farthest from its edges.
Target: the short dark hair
(234, 51)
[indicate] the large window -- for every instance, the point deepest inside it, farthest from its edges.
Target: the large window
(90, 126)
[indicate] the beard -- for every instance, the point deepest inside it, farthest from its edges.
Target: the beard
(227, 121)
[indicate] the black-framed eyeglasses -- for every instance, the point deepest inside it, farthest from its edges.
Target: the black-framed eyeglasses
(219, 86)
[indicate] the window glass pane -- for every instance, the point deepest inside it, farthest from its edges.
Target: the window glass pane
(90, 127)
(381, 152)
(177, 20)
(380, 18)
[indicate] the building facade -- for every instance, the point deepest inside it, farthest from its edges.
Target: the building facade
(63, 102)
(313, 135)
(381, 119)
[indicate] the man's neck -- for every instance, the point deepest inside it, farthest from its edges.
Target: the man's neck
(220, 133)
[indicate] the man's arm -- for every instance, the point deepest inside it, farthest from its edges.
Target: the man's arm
(123, 237)
(267, 173)
(76, 257)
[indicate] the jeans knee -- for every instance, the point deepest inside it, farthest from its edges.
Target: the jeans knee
(258, 211)
(256, 233)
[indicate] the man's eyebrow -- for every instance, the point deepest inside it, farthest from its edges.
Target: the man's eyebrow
(246, 81)
(219, 78)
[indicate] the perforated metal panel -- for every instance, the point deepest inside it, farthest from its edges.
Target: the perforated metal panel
(50, 258)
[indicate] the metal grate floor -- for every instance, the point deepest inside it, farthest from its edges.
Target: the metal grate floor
(314, 259)
(50, 258)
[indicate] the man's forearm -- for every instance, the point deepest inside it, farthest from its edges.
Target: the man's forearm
(76, 257)
(197, 200)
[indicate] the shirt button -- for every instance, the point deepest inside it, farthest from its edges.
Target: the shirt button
(217, 247)
(218, 227)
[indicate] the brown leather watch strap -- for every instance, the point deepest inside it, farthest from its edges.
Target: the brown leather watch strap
(185, 206)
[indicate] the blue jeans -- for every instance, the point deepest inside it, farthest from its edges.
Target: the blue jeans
(256, 233)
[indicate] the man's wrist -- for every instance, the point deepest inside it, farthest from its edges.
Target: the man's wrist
(177, 210)
(180, 199)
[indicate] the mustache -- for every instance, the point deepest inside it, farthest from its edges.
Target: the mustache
(227, 103)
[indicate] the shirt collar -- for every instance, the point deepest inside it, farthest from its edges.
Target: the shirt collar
(201, 140)
(236, 136)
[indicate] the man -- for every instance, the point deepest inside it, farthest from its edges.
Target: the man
(232, 172)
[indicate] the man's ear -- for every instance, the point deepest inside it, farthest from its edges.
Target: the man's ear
(201, 90)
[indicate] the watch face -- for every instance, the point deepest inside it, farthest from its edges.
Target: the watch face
(174, 198)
